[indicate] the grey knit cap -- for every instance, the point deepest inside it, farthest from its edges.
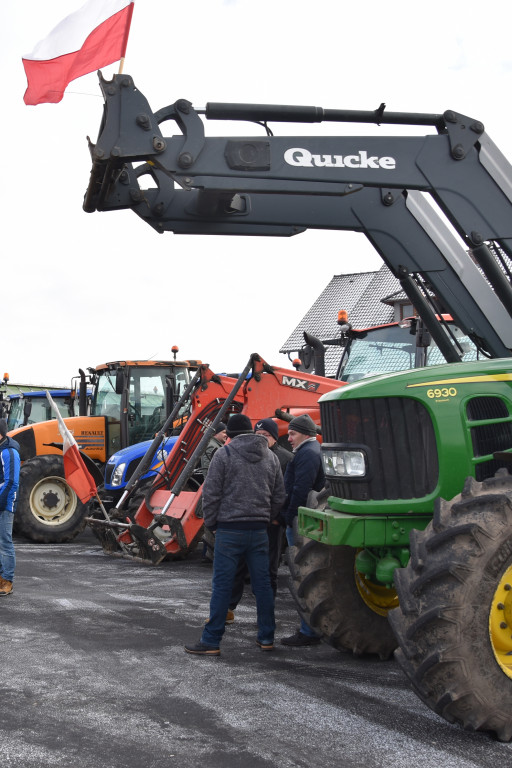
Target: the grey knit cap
(303, 424)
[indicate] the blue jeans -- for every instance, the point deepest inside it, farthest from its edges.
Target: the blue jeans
(7, 556)
(304, 628)
(230, 547)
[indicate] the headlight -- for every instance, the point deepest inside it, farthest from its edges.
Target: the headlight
(344, 463)
(162, 454)
(117, 476)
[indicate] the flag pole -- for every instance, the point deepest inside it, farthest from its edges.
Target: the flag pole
(125, 41)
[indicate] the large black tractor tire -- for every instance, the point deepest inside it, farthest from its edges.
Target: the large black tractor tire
(48, 509)
(135, 500)
(454, 622)
(328, 592)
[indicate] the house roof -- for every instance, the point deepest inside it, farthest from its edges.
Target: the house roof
(361, 294)
(370, 299)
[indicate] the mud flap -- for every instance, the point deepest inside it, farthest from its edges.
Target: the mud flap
(151, 548)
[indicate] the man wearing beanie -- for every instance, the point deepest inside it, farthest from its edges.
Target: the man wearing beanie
(9, 480)
(303, 474)
(267, 428)
(242, 493)
(215, 442)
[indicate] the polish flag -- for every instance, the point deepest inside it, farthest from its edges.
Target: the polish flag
(93, 37)
(76, 473)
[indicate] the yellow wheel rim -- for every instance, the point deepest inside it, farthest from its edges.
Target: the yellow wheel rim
(500, 623)
(378, 598)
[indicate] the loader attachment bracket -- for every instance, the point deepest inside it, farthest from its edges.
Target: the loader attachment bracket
(175, 527)
(151, 548)
(106, 536)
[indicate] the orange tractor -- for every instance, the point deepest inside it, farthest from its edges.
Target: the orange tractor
(165, 519)
(129, 401)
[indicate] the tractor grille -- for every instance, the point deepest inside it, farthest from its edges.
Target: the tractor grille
(400, 439)
(109, 471)
(489, 438)
(132, 466)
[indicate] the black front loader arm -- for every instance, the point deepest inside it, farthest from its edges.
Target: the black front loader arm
(282, 186)
(460, 166)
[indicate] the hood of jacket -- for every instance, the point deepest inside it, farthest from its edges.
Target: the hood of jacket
(251, 447)
(9, 442)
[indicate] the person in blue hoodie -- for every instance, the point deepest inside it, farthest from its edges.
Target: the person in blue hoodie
(9, 481)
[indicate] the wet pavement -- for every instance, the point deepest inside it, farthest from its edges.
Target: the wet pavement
(93, 673)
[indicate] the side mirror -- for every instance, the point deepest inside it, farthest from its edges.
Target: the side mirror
(27, 410)
(119, 381)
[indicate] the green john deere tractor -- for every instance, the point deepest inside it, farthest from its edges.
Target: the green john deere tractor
(388, 564)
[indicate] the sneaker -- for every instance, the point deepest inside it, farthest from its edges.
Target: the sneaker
(201, 649)
(265, 646)
(299, 639)
(6, 587)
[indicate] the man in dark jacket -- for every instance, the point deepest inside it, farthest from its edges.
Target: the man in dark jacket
(242, 493)
(267, 428)
(215, 442)
(9, 481)
(303, 474)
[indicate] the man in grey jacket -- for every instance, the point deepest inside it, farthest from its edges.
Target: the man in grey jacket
(242, 493)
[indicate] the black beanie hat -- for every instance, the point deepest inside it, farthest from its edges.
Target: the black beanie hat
(238, 424)
(303, 424)
(269, 426)
(220, 427)
(3, 427)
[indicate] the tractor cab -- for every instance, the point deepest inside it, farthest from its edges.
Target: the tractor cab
(384, 348)
(31, 407)
(397, 347)
(136, 398)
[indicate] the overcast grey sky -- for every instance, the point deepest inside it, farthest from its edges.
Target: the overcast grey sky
(80, 289)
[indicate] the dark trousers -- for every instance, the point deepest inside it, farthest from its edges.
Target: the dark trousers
(230, 547)
(275, 546)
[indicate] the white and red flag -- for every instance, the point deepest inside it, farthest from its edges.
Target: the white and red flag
(93, 37)
(76, 473)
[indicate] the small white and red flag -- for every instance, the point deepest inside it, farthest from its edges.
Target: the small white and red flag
(76, 473)
(94, 36)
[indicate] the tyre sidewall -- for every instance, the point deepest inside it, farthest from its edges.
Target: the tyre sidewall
(27, 524)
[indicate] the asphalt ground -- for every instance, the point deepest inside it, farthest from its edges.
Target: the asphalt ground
(93, 673)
